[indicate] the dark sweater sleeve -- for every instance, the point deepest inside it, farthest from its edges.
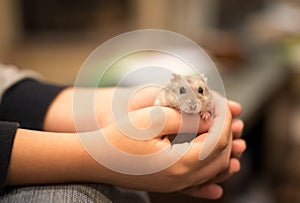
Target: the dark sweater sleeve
(24, 105)
(27, 102)
(7, 135)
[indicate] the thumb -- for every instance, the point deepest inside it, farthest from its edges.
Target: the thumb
(171, 121)
(157, 121)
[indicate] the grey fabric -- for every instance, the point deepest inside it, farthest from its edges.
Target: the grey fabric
(10, 75)
(88, 193)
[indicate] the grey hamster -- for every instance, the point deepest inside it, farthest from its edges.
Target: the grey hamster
(189, 94)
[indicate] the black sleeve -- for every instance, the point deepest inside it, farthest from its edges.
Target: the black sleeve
(24, 105)
(7, 135)
(27, 102)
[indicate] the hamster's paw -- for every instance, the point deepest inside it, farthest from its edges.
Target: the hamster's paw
(205, 115)
(157, 102)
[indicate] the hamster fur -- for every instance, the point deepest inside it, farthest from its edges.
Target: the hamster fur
(188, 94)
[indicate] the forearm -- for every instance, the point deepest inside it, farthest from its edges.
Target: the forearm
(60, 115)
(43, 157)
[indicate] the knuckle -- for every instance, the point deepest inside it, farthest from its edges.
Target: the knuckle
(222, 144)
(225, 161)
(179, 173)
(225, 164)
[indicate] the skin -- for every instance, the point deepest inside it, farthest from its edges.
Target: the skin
(62, 158)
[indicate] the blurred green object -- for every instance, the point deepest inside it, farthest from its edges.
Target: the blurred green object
(291, 50)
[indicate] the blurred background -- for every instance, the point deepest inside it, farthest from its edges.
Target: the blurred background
(255, 44)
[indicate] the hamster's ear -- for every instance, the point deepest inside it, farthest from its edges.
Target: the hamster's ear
(203, 77)
(175, 77)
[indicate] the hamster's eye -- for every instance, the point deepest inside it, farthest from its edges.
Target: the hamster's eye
(182, 90)
(200, 90)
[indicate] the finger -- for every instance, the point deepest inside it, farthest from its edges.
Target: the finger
(148, 123)
(237, 127)
(234, 167)
(143, 97)
(177, 123)
(207, 191)
(192, 123)
(235, 108)
(158, 121)
(215, 163)
(238, 148)
(219, 104)
(219, 135)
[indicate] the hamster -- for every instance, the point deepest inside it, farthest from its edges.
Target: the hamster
(188, 94)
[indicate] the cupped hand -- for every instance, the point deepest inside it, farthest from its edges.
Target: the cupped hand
(211, 189)
(180, 165)
(145, 98)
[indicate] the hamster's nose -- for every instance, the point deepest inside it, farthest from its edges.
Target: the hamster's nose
(191, 102)
(193, 107)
